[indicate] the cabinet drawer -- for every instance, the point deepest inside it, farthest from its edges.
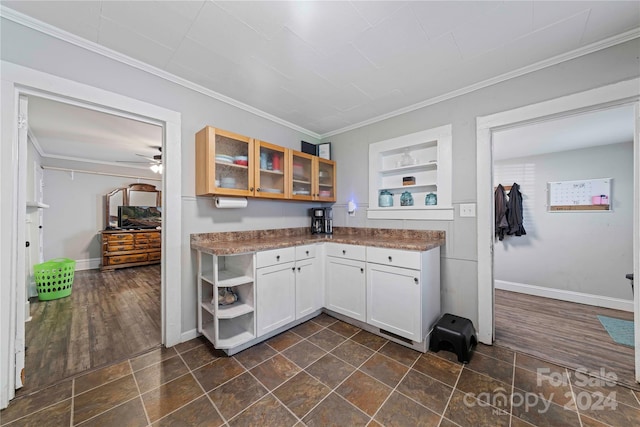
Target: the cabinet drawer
(394, 257)
(120, 248)
(154, 256)
(125, 259)
(155, 243)
(346, 251)
(306, 251)
(140, 241)
(120, 237)
(275, 256)
(142, 246)
(149, 235)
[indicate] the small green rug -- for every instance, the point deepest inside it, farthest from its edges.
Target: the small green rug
(620, 330)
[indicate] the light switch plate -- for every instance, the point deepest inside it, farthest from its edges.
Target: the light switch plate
(467, 210)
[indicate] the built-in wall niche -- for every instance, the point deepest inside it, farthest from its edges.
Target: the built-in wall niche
(419, 164)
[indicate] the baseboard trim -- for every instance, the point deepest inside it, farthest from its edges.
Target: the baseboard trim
(189, 335)
(87, 264)
(563, 295)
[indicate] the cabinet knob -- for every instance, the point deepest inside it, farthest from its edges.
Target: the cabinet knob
(306, 252)
(362, 270)
(258, 189)
(251, 189)
(277, 257)
(390, 259)
(415, 279)
(344, 252)
(293, 269)
(298, 269)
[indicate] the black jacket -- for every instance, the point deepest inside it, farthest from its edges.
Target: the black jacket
(500, 199)
(514, 211)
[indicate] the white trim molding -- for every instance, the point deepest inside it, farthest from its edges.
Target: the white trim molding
(87, 264)
(189, 335)
(564, 295)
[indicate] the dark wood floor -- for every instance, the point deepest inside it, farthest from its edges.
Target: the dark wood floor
(110, 316)
(565, 333)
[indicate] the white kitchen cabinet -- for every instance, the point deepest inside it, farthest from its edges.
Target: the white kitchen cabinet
(226, 326)
(308, 281)
(276, 296)
(403, 291)
(346, 281)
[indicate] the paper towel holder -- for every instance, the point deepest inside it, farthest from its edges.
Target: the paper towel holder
(230, 202)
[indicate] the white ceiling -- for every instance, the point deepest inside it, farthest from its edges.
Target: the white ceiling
(610, 126)
(329, 66)
(67, 132)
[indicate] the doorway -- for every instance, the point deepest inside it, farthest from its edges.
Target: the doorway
(568, 270)
(21, 81)
(622, 93)
(111, 315)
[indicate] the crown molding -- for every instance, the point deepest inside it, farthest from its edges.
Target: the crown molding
(50, 30)
(28, 21)
(585, 50)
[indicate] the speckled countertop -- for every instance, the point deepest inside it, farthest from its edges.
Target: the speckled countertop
(235, 242)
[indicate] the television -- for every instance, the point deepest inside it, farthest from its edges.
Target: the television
(139, 217)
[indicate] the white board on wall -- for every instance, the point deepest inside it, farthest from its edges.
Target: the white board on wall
(580, 195)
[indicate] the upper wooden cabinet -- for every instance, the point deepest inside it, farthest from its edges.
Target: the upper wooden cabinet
(312, 178)
(225, 162)
(229, 164)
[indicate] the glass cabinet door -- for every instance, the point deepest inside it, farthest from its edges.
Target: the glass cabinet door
(271, 170)
(302, 175)
(233, 164)
(325, 180)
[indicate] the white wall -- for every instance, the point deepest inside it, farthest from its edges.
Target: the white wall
(459, 258)
(459, 279)
(76, 212)
(586, 252)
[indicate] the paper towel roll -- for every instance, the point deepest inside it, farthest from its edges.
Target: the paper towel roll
(231, 202)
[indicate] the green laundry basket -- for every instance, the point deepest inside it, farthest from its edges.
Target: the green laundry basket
(54, 278)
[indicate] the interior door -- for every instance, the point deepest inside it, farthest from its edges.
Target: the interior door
(22, 249)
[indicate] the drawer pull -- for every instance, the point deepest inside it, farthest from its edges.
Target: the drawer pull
(306, 252)
(362, 270)
(390, 259)
(298, 269)
(415, 279)
(344, 252)
(277, 257)
(293, 269)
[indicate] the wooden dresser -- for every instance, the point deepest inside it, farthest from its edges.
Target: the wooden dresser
(129, 248)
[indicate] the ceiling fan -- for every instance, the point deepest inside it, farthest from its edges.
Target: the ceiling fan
(155, 162)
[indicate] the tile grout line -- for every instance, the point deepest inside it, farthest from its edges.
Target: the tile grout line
(116, 406)
(135, 380)
(203, 390)
(453, 390)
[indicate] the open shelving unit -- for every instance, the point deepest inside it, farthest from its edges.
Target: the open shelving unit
(226, 326)
(425, 156)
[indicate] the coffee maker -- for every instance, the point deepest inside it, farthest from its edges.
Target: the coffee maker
(321, 220)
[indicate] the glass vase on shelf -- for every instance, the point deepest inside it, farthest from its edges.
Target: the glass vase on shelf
(406, 199)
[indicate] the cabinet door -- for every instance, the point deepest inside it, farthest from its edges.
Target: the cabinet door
(224, 163)
(308, 287)
(276, 290)
(272, 174)
(393, 300)
(345, 287)
(302, 175)
(325, 182)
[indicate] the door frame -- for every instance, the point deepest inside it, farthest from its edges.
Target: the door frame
(17, 80)
(622, 93)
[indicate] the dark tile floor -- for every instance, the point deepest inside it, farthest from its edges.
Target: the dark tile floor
(322, 373)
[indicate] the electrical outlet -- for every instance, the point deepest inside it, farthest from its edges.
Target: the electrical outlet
(467, 210)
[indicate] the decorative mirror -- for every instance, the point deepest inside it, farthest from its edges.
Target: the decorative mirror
(135, 195)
